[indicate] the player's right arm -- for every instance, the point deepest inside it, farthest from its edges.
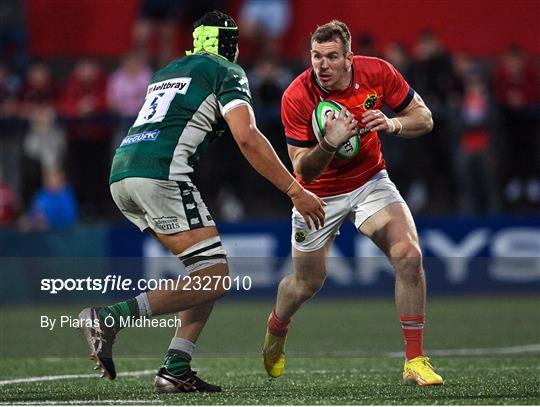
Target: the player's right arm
(261, 155)
(310, 162)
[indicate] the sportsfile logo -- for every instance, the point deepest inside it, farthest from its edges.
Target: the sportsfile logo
(137, 138)
(111, 283)
(180, 85)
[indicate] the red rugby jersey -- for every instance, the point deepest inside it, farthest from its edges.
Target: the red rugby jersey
(374, 82)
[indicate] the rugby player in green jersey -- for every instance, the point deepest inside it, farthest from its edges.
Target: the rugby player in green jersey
(187, 102)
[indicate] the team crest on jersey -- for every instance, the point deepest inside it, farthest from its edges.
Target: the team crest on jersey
(370, 101)
(300, 236)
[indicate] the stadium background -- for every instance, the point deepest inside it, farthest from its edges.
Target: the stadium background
(72, 76)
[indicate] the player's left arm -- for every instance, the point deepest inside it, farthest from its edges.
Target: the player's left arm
(413, 121)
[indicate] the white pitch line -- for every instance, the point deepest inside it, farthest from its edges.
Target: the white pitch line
(72, 376)
(81, 402)
(369, 372)
(509, 350)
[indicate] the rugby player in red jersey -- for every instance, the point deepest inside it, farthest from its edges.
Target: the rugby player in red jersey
(357, 188)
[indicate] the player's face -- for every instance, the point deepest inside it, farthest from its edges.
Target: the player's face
(331, 65)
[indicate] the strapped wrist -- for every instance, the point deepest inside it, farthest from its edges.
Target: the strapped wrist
(331, 145)
(391, 126)
(327, 147)
(397, 126)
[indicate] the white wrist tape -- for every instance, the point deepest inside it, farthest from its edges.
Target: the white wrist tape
(391, 126)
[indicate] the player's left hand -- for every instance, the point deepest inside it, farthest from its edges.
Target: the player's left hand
(377, 121)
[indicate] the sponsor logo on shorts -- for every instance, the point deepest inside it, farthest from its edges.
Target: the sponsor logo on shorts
(300, 236)
(137, 138)
(167, 222)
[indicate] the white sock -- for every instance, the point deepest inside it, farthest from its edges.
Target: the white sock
(183, 345)
(144, 305)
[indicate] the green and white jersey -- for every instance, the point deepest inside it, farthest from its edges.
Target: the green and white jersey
(183, 111)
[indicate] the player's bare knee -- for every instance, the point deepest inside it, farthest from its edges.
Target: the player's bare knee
(217, 281)
(306, 289)
(407, 260)
(221, 287)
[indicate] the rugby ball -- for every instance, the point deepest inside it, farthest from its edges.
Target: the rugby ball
(350, 148)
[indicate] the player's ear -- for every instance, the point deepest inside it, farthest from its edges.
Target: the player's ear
(348, 60)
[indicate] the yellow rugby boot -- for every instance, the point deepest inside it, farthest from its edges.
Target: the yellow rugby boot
(419, 371)
(274, 353)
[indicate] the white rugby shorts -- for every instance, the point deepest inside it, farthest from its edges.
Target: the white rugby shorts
(357, 205)
(166, 207)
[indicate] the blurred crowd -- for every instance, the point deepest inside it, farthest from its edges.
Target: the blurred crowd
(61, 121)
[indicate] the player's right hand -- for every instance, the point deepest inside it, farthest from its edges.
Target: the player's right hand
(310, 207)
(341, 128)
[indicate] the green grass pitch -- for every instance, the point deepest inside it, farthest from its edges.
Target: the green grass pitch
(339, 352)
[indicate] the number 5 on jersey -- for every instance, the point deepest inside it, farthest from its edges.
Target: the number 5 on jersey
(152, 109)
(159, 98)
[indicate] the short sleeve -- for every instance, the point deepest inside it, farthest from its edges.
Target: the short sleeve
(397, 92)
(297, 122)
(233, 89)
